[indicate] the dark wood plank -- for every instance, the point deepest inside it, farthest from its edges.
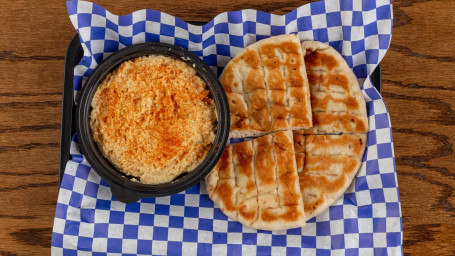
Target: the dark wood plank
(419, 89)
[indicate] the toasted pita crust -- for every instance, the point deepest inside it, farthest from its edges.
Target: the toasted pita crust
(256, 183)
(336, 99)
(267, 88)
(330, 164)
(326, 163)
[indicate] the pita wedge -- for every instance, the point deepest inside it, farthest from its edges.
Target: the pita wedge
(326, 164)
(336, 99)
(256, 183)
(329, 154)
(267, 88)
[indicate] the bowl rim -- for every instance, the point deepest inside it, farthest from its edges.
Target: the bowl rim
(122, 187)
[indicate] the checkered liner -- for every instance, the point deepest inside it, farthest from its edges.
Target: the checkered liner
(366, 220)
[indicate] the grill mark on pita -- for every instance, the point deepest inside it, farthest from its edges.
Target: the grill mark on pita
(352, 143)
(330, 175)
(243, 86)
(228, 76)
(322, 103)
(281, 142)
(331, 155)
(313, 79)
(351, 102)
(275, 170)
(269, 52)
(268, 101)
(330, 112)
(281, 162)
(296, 74)
(255, 169)
(254, 80)
(251, 59)
(325, 184)
(311, 59)
(234, 179)
(289, 181)
(211, 188)
(245, 152)
(319, 59)
(317, 89)
(263, 148)
(224, 164)
(321, 164)
(267, 87)
(289, 195)
(225, 192)
(347, 121)
(235, 165)
(236, 98)
(264, 165)
(275, 78)
(238, 114)
(291, 214)
(311, 201)
(246, 212)
(337, 80)
(270, 177)
(299, 148)
(291, 81)
(286, 84)
(324, 81)
(258, 110)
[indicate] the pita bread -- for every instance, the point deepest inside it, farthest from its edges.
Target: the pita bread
(326, 165)
(249, 182)
(256, 183)
(267, 88)
(336, 99)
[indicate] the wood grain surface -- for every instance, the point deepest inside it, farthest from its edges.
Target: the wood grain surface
(418, 87)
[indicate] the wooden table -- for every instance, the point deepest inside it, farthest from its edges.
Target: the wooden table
(418, 87)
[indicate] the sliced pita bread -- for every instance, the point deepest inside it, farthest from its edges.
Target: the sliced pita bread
(336, 99)
(267, 88)
(326, 164)
(256, 183)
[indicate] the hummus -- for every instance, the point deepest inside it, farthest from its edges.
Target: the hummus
(153, 118)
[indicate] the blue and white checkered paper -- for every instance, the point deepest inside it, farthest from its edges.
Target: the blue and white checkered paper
(366, 220)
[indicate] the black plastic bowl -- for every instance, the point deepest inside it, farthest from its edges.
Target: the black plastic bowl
(121, 186)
